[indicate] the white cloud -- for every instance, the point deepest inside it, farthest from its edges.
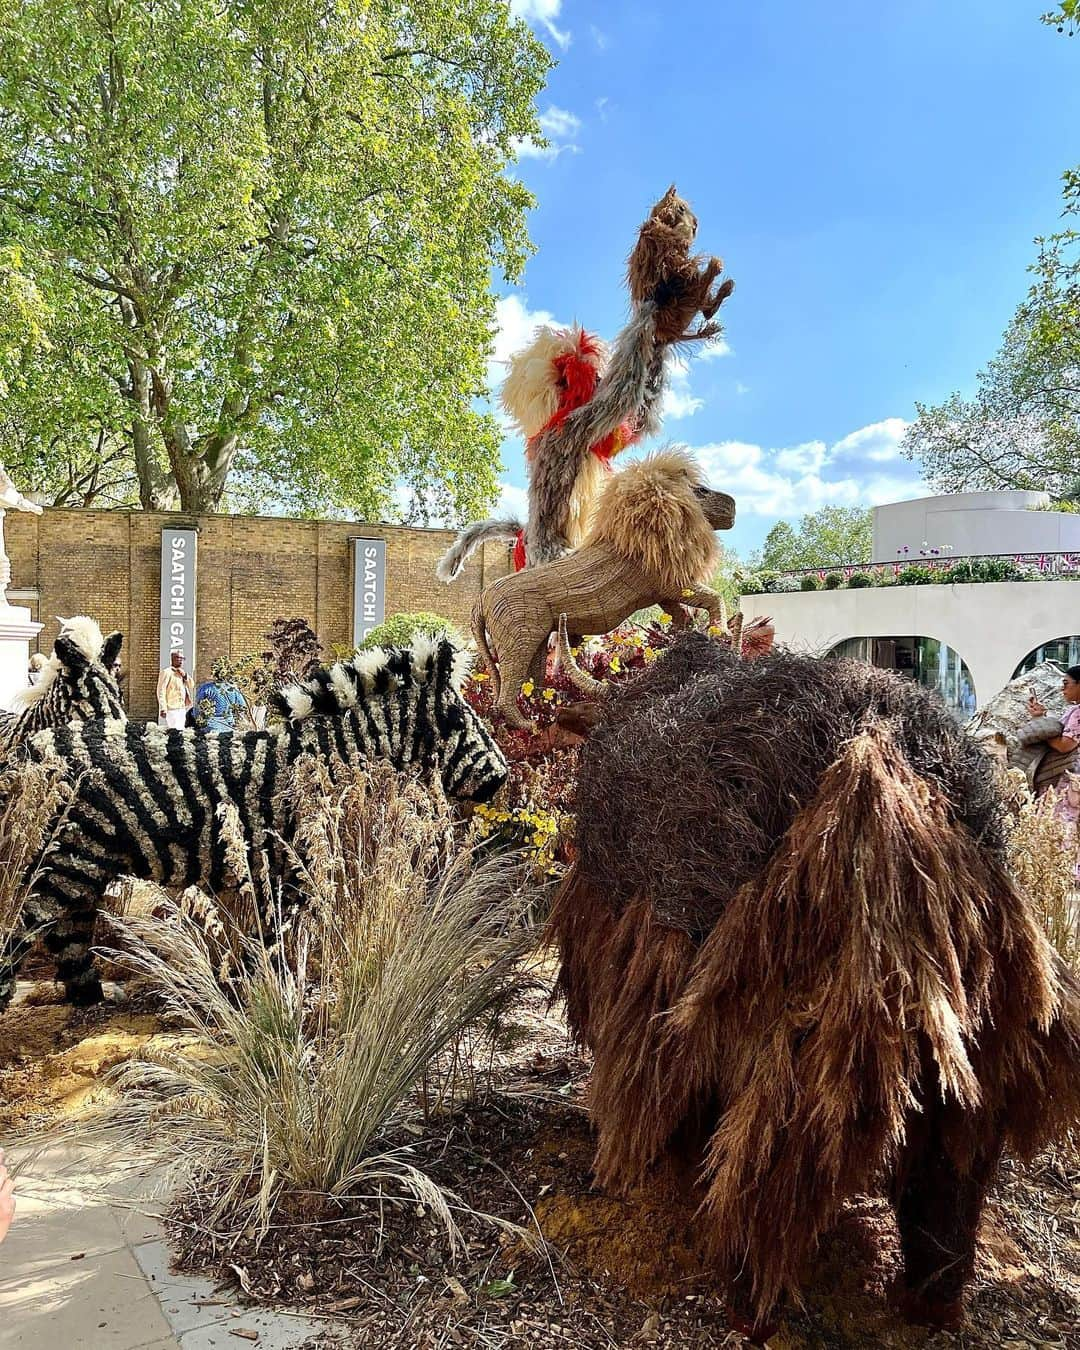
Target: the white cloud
(515, 323)
(559, 127)
(513, 502)
(879, 442)
(543, 13)
(599, 37)
(793, 480)
(678, 400)
(741, 388)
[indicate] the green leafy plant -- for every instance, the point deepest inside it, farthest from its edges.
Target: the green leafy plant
(860, 580)
(917, 575)
(400, 629)
(833, 581)
(751, 585)
(808, 583)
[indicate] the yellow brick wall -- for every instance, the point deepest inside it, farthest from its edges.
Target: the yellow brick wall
(251, 569)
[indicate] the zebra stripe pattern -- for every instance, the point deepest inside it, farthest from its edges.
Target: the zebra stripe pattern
(77, 684)
(148, 798)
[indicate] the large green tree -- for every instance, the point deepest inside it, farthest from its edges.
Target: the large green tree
(831, 537)
(258, 236)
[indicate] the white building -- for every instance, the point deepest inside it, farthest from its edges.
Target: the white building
(967, 640)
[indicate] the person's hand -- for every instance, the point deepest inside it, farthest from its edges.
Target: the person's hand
(1035, 708)
(7, 1199)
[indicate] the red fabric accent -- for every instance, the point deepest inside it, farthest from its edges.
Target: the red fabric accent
(519, 552)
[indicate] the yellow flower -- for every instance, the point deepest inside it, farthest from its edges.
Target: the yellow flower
(574, 651)
(549, 694)
(664, 619)
(637, 639)
(715, 630)
(617, 639)
(686, 592)
(527, 688)
(650, 654)
(480, 676)
(616, 665)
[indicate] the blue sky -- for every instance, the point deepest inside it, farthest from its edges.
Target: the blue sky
(873, 177)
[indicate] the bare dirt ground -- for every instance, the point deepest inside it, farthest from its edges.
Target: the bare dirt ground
(617, 1272)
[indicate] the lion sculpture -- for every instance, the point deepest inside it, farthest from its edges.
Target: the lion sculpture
(652, 543)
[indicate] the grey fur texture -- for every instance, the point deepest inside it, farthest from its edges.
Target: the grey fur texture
(634, 379)
(469, 540)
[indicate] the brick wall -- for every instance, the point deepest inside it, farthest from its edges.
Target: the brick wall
(250, 570)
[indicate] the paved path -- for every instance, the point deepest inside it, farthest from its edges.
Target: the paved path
(84, 1265)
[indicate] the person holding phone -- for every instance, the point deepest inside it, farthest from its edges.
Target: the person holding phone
(1070, 721)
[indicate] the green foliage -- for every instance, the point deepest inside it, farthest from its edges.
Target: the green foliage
(917, 575)
(751, 585)
(833, 581)
(827, 538)
(726, 579)
(400, 629)
(859, 580)
(245, 250)
(808, 583)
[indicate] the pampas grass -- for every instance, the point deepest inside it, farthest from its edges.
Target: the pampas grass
(292, 1085)
(1043, 855)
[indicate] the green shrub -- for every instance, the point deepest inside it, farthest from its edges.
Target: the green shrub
(808, 584)
(752, 585)
(998, 569)
(400, 629)
(783, 585)
(859, 580)
(833, 581)
(915, 574)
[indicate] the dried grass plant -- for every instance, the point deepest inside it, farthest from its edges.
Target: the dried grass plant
(299, 1081)
(1044, 852)
(32, 803)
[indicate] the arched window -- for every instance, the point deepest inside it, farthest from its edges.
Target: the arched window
(1064, 650)
(934, 664)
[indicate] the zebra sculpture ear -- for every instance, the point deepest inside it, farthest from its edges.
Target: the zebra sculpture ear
(111, 650)
(70, 654)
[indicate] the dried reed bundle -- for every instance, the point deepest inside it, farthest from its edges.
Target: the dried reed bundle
(32, 806)
(1044, 852)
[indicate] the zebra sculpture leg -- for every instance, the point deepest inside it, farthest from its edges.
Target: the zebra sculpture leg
(62, 911)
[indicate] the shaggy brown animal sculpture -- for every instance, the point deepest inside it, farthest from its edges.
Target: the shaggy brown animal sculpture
(652, 543)
(661, 269)
(807, 968)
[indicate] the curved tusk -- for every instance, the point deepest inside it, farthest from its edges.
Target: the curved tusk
(579, 678)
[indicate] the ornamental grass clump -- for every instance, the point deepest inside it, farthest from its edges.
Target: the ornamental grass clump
(1044, 853)
(303, 1083)
(32, 801)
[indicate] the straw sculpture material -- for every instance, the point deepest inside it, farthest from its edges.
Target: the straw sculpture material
(808, 968)
(661, 269)
(652, 544)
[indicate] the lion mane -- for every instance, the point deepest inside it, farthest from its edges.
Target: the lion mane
(651, 513)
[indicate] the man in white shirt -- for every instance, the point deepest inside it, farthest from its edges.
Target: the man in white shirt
(174, 693)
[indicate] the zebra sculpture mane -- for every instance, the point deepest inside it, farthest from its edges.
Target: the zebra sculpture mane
(76, 683)
(148, 798)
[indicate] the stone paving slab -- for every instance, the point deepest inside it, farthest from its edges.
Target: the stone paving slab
(85, 1266)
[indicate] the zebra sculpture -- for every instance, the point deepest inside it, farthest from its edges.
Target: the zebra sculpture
(76, 684)
(148, 798)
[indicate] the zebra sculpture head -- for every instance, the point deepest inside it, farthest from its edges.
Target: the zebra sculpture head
(77, 682)
(411, 699)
